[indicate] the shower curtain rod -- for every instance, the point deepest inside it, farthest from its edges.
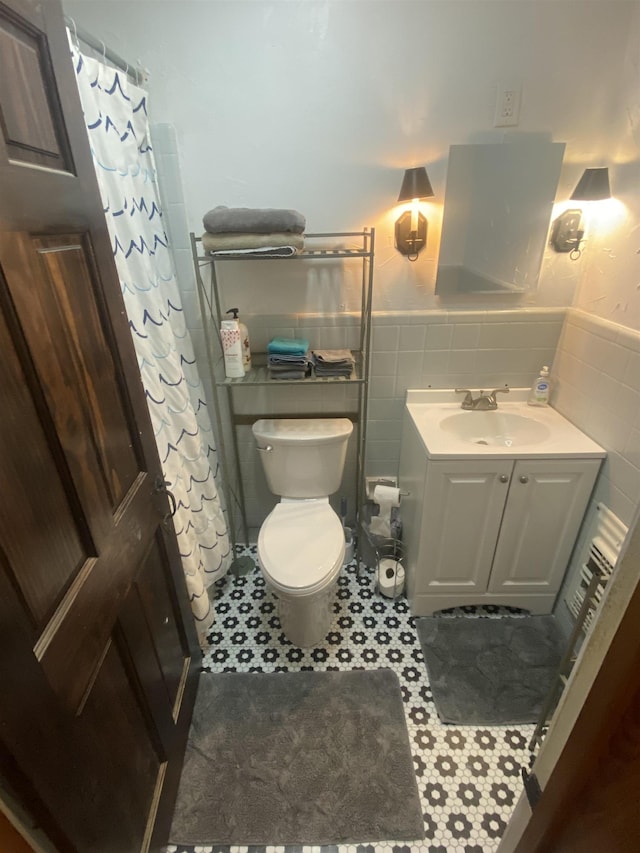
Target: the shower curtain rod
(96, 44)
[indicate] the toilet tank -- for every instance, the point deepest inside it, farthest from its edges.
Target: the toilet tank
(306, 459)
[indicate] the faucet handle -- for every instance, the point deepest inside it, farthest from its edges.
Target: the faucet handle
(468, 400)
(504, 390)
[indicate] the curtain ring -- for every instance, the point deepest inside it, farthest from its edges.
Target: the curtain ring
(104, 52)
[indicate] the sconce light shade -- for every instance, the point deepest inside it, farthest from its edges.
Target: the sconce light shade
(568, 229)
(593, 185)
(415, 184)
(411, 226)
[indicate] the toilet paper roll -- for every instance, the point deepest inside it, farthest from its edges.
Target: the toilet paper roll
(386, 497)
(390, 577)
(380, 526)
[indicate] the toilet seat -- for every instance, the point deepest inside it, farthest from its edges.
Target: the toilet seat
(301, 546)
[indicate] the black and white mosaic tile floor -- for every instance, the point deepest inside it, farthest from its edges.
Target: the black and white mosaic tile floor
(469, 778)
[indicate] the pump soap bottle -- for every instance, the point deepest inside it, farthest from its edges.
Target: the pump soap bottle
(539, 395)
(231, 349)
(244, 340)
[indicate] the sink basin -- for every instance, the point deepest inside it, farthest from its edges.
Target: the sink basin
(495, 429)
(513, 430)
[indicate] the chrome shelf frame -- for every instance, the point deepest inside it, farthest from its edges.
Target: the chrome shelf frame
(211, 311)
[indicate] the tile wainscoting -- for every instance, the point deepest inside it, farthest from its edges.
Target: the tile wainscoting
(596, 385)
(429, 349)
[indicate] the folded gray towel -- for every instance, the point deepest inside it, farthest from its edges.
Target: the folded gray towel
(277, 358)
(222, 220)
(288, 374)
(337, 362)
(333, 371)
(331, 356)
(342, 369)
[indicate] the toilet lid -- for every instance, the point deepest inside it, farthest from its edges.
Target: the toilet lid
(300, 544)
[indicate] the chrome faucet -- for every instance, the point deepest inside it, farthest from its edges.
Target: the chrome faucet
(482, 403)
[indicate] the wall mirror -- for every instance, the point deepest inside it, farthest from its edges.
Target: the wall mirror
(498, 203)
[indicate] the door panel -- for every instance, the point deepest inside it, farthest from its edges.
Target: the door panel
(153, 588)
(122, 744)
(71, 646)
(71, 296)
(156, 641)
(53, 295)
(31, 124)
(98, 650)
(43, 545)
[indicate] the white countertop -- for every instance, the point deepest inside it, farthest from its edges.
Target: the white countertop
(429, 408)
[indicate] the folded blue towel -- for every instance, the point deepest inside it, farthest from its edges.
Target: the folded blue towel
(288, 346)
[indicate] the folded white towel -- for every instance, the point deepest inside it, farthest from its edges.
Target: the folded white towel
(240, 243)
(271, 251)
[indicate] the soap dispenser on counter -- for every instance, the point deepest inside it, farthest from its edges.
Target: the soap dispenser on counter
(244, 340)
(539, 395)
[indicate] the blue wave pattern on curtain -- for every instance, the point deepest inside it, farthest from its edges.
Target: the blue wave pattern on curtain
(116, 118)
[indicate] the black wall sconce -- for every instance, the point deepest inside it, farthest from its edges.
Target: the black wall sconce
(411, 226)
(568, 229)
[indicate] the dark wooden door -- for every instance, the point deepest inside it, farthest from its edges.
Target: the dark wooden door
(98, 651)
(591, 801)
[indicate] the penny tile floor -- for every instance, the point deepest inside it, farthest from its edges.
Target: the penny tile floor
(469, 777)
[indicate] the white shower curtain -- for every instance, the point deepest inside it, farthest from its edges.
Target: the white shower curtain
(116, 119)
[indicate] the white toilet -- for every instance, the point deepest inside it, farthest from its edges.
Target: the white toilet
(301, 543)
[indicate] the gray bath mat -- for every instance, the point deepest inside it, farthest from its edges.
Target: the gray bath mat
(490, 671)
(298, 758)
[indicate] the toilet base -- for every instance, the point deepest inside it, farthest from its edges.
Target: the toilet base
(306, 619)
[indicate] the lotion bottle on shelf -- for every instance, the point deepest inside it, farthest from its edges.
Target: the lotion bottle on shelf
(539, 395)
(231, 349)
(244, 340)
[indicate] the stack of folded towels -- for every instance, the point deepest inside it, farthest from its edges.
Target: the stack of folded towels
(288, 358)
(245, 230)
(333, 362)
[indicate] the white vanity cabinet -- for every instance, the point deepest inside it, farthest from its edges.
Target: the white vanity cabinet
(487, 530)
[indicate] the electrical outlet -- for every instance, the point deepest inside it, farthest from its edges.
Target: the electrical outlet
(507, 106)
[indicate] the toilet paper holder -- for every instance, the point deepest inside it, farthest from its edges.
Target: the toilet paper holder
(372, 482)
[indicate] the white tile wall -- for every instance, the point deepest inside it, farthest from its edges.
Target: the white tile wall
(446, 349)
(596, 385)
(596, 376)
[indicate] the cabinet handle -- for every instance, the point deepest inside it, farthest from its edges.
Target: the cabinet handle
(504, 478)
(524, 478)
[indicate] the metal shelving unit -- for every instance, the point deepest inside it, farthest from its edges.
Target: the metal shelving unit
(210, 306)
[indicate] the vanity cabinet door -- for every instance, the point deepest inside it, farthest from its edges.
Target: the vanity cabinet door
(461, 517)
(547, 501)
